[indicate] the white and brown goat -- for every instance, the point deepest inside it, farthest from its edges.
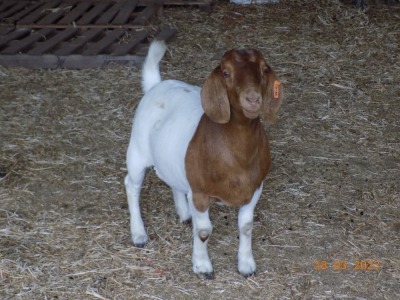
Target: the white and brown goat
(207, 144)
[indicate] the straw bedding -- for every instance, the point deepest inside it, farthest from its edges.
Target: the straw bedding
(332, 195)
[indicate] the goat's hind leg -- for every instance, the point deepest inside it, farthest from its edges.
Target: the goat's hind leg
(182, 207)
(133, 185)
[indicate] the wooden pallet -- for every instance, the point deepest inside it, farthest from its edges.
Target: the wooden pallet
(76, 33)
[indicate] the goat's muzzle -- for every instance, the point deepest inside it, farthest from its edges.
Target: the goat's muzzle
(251, 104)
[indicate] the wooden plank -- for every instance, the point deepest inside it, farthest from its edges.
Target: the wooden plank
(125, 12)
(30, 61)
(44, 47)
(57, 13)
(145, 15)
(38, 13)
(111, 13)
(124, 49)
(51, 17)
(79, 42)
(94, 13)
(6, 5)
(14, 35)
(76, 13)
(27, 42)
(7, 11)
(50, 61)
(25, 12)
(104, 43)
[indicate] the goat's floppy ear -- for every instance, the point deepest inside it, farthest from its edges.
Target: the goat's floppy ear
(273, 95)
(214, 98)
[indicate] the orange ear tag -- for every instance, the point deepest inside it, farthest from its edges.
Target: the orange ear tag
(277, 85)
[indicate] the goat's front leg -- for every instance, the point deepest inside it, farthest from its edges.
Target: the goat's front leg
(202, 229)
(246, 263)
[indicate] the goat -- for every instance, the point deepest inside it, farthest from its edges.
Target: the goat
(207, 144)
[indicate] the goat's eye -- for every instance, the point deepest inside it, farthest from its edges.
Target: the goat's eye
(265, 71)
(226, 74)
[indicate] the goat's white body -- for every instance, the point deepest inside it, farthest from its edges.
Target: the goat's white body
(164, 124)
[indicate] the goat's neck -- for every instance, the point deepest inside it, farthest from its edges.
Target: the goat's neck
(239, 123)
(242, 135)
(248, 132)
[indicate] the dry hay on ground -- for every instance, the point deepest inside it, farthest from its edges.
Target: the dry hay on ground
(332, 194)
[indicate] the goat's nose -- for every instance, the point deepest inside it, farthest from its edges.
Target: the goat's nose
(253, 98)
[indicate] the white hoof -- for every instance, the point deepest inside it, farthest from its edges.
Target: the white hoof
(204, 269)
(139, 241)
(247, 266)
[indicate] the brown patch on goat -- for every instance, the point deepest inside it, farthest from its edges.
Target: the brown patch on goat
(228, 156)
(226, 162)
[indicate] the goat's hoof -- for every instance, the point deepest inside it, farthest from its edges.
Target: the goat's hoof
(206, 276)
(246, 265)
(187, 222)
(139, 240)
(139, 245)
(248, 275)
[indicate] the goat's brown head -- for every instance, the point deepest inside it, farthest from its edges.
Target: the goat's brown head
(244, 83)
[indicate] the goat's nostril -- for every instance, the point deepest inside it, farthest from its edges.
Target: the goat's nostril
(254, 99)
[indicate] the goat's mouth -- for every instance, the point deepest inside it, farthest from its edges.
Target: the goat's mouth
(251, 109)
(251, 113)
(251, 104)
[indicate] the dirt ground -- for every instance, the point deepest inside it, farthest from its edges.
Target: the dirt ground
(327, 224)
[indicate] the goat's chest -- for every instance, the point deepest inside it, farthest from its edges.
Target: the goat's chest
(226, 171)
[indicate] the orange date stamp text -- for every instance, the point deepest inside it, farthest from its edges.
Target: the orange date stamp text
(341, 265)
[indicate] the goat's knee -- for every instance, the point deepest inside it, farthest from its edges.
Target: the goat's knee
(202, 227)
(204, 235)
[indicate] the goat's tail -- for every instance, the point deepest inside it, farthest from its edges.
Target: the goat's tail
(151, 70)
